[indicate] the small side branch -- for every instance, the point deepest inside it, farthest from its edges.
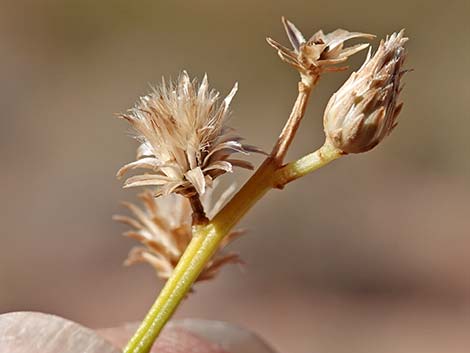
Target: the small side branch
(199, 216)
(290, 128)
(305, 165)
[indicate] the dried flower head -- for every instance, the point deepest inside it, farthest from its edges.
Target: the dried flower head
(163, 226)
(364, 110)
(319, 53)
(185, 142)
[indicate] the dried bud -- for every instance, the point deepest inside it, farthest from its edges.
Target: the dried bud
(319, 53)
(163, 227)
(185, 142)
(365, 109)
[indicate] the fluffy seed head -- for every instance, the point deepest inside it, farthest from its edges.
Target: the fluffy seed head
(185, 143)
(364, 110)
(163, 227)
(319, 53)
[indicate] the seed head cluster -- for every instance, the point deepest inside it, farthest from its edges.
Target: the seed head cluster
(184, 141)
(163, 227)
(320, 53)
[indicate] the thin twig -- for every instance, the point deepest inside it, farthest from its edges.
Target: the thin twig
(199, 216)
(290, 128)
(305, 165)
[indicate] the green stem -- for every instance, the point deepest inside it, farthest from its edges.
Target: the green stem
(307, 164)
(198, 252)
(206, 240)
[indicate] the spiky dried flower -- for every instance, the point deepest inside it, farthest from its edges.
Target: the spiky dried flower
(320, 53)
(163, 227)
(365, 109)
(185, 142)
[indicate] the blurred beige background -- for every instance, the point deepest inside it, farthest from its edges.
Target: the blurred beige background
(367, 255)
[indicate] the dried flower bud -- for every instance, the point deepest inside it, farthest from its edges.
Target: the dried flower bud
(163, 226)
(184, 140)
(365, 109)
(319, 53)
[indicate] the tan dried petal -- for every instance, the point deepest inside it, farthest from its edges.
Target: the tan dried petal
(214, 266)
(364, 110)
(147, 179)
(144, 163)
(141, 255)
(196, 178)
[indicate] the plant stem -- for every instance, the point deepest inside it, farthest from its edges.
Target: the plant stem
(307, 164)
(199, 216)
(290, 128)
(198, 252)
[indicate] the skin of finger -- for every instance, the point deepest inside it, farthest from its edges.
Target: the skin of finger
(195, 335)
(172, 340)
(27, 332)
